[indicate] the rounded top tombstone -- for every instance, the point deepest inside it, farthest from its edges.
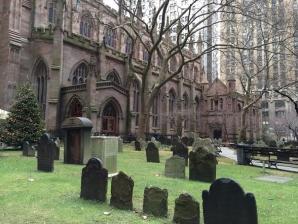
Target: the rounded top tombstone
(94, 163)
(77, 122)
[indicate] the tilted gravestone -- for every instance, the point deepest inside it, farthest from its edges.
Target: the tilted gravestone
(94, 181)
(155, 201)
(45, 153)
(175, 167)
(187, 210)
(202, 166)
(121, 191)
(28, 150)
(152, 153)
(181, 150)
(57, 151)
(226, 202)
(138, 146)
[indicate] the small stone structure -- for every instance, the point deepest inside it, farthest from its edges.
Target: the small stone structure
(226, 202)
(77, 140)
(94, 181)
(202, 161)
(122, 191)
(138, 146)
(155, 201)
(45, 153)
(175, 167)
(187, 210)
(152, 153)
(28, 150)
(120, 144)
(105, 148)
(181, 150)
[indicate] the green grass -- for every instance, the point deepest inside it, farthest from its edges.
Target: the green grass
(54, 197)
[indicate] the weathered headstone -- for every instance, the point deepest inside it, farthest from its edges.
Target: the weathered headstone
(202, 165)
(28, 150)
(184, 140)
(155, 201)
(122, 191)
(120, 144)
(175, 167)
(57, 151)
(181, 150)
(226, 202)
(45, 153)
(138, 146)
(152, 153)
(94, 181)
(187, 210)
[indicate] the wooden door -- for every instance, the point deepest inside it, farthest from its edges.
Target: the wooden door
(74, 147)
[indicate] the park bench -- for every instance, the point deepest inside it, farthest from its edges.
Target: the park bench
(271, 155)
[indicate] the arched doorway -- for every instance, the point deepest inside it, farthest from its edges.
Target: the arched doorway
(75, 108)
(217, 134)
(110, 120)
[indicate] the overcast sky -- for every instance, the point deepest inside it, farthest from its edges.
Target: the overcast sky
(110, 3)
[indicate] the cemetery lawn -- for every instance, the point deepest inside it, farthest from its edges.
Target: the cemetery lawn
(29, 196)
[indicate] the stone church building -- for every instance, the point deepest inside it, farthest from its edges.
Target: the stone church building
(81, 70)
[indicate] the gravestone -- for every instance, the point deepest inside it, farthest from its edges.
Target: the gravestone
(155, 201)
(138, 146)
(28, 150)
(45, 153)
(57, 150)
(120, 144)
(152, 153)
(181, 150)
(121, 191)
(94, 181)
(175, 167)
(202, 165)
(187, 210)
(226, 202)
(184, 140)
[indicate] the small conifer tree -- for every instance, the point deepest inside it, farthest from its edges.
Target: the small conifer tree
(24, 121)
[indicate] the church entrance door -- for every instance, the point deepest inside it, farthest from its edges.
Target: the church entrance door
(74, 147)
(110, 120)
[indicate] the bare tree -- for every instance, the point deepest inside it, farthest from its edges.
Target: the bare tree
(155, 39)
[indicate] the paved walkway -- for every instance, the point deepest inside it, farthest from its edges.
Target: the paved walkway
(231, 154)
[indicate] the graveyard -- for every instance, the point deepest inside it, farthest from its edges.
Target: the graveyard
(31, 196)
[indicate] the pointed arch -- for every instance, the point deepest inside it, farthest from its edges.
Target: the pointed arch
(110, 35)
(114, 77)
(74, 107)
(115, 102)
(86, 24)
(79, 73)
(39, 79)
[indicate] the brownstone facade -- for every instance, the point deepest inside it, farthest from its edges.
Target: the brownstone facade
(79, 68)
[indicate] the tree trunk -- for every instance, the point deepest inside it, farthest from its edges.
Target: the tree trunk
(143, 121)
(242, 134)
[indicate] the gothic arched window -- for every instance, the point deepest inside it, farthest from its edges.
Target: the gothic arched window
(79, 76)
(185, 110)
(173, 64)
(186, 73)
(114, 77)
(51, 12)
(172, 102)
(136, 99)
(128, 45)
(41, 76)
(86, 25)
(145, 54)
(196, 74)
(197, 111)
(75, 108)
(110, 36)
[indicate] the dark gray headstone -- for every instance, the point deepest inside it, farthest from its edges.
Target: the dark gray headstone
(121, 191)
(202, 166)
(138, 146)
(28, 150)
(226, 202)
(181, 150)
(155, 201)
(187, 210)
(94, 181)
(175, 167)
(184, 140)
(152, 153)
(45, 153)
